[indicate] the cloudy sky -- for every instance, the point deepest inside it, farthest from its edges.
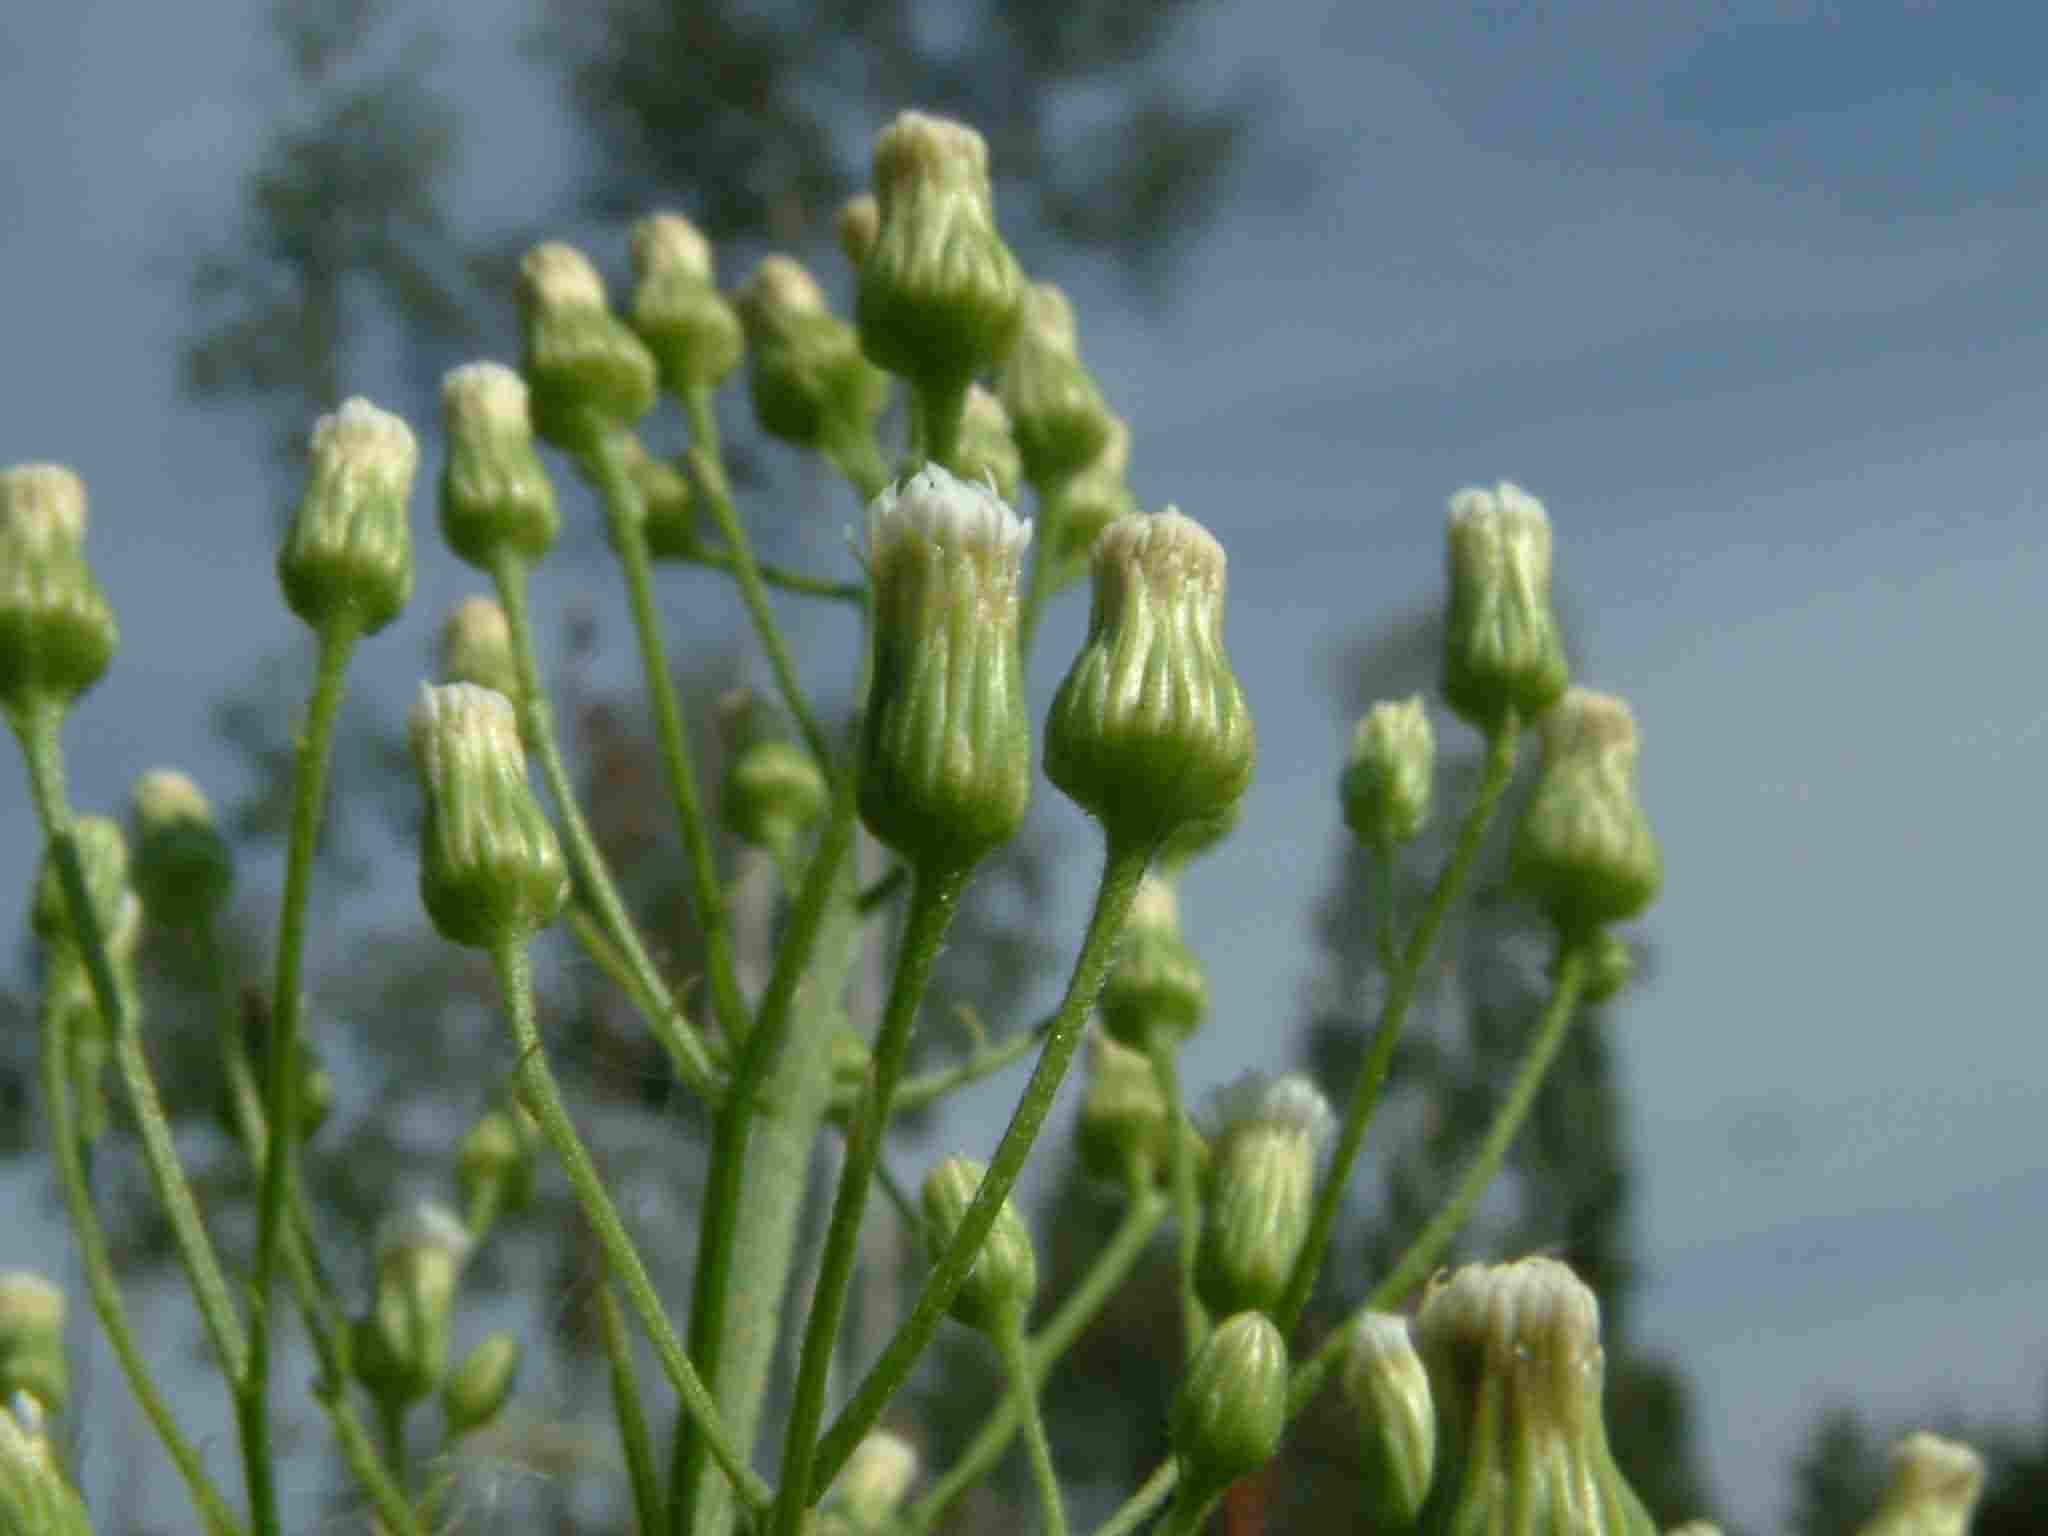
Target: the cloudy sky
(1748, 293)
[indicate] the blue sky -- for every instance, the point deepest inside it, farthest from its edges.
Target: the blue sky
(1748, 293)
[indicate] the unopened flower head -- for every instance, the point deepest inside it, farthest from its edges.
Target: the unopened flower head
(986, 451)
(667, 512)
(857, 224)
(1515, 1372)
(1610, 966)
(1058, 415)
(403, 1351)
(1262, 1172)
(477, 1388)
(809, 382)
(57, 633)
(182, 865)
(1388, 775)
(103, 860)
(879, 1471)
(1933, 1489)
(347, 557)
(689, 326)
(491, 871)
(34, 1497)
(1502, 650)
(1584, 849)
(495, 493)
(1124, 1132)
(588, 373)
(1155, 990)
(774, 790)
(1232, 1405)
(1094, 496)
(1387, 1390)
(946, 740)
(998, 1289)
(940, 294)
(32, 1339)
(1149, 731)
(476, 646)
(493, 1168)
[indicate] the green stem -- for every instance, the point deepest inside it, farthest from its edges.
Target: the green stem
(1051, 1342)
(1039, 582)
(1402, 986)
(1181, 1178)
(781, 576)
(1186, 1515)
(1143, 1502)
(391, 1419)
(941, 404)
(934, 897)
(105, 1290)
(1123, 867)
(986, 1060)
(1018, 1362)
(685, 1047)
(1423, 1254)
(626, 1410)
(854, 453)
(544, 1099)
(710, 465)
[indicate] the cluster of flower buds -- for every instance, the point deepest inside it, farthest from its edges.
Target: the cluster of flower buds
(34, 1496)
(496, 497)
(1262, 1174)
(183, 869)
(57, 633)
(1231, 1408)
(588, 374)
(1503, 652)
(999, 1288)
(401, 1344)
(1584, 849)
(1388, 776)
(1387, 1390)
(347, 556)
(690, 327)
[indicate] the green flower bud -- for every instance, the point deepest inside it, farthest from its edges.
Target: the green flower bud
(1502, 649)
(985, 451)
(182, 865)
(1515, 1371)
(805, 371)
(1232, 1407)
(1933, 1489)
(1004, 1278)
(1388, 1390)
(493, 1168)
(402, 1345)
(71, 1007)
(315, 1099)
(850, 1062)
(858, 225)
(491, 871)
(1056, 412)
(57, 633)
(945, 742)
(103, 860)
(1155, 985)
(686, 322)
(1387, 778)
(1124, 1131)
(349, 548)
(774, 791)
(495, 492)
(879, 1471)
(940, 294)
(34, 1498)
(479, 1386)
(667, 521)
(1584, 848)
(476, 646)
(32, 1339)
(1610, 966)
(1262, 1184)
(588, 373)
(1149, 731)
(1095, 496)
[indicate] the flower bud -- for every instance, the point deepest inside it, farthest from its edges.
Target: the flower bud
(103, 861)
(858, 224)
(667, 521)
(1056, 412)
(1124, 1131)
(1515, 1371)
(686, 322)
(985, 451)
(32, 1339)
(478, 1387)
(495, 493)
(1502, 649)
(1610, 966)
(1262, 1184)
(315, 1098)
(57, 633)
(1149, 730)
(1004, 1278)
(476, 646)
(491, 871)
(1155, 985)
(349, 548)
(1094, 496)
(945, 742)
(1386, 782)
(774, 790)
(1584, 848)
(940, 294)
(182, 865)
(493, 1168)
(588, 373)
(1232, 1407)
(879, 1471)
(70, 1008)
(35, 1500)
(1933, 1489)
(402, 1349)
(1388, 1390)
(805, 371)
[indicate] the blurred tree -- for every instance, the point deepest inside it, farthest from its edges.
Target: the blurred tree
(1841, 1471)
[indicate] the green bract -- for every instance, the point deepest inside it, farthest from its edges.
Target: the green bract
(477, 1388)
(999, 1288)
(1262, 1176)
(805, 371)
(1155, 990)
(588, 374)
(402, 1344)
(476, 646)
(1124, 1131)
(1502, 649)
(348, 552)
(182, 865)
(495, 493)
(32, 1339)
(1232, 1405)
(678, 311)
(1387, 778)
(1584, 848)
(985, 451)
(1387, 1390)
(1057, 414)
(57, 633)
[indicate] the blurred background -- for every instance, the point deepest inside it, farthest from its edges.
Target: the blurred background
(1746, 291)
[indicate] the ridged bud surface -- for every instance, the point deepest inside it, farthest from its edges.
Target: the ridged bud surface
(1262, 1177)
(1004, 1279)
(690, 327)
(1502, 648)
(1389, 773)
(32, 1339)
(57, 633)
(1057, 414)
(182, 865)
(805, 372)
(1933, 1489)
(1232, 1406)
(1387, 1390)
(1584, 848)
(587, 372)
(349, 548)
(495, 493)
